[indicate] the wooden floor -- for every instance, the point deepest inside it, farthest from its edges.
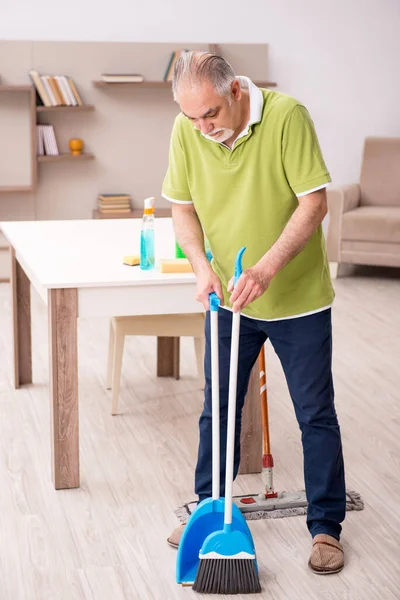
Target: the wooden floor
(106, 540)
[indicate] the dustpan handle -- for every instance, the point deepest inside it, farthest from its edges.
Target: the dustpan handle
(214, 305)
(233, 371)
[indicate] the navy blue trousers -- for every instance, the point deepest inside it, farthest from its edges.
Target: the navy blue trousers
(304, 347)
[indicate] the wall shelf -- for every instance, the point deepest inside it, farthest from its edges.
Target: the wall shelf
(15, 88)
(14, 189)
(135, 213)
(56, 109)
(139, 84)
(66, 156)
(159, 84)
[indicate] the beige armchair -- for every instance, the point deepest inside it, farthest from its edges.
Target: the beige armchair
(364, 218)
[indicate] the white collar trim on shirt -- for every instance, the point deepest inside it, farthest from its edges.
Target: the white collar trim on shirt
(256, 102)
(256, 105)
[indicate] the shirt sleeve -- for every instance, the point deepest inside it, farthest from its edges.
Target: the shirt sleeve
(175, 186)
(302, 157)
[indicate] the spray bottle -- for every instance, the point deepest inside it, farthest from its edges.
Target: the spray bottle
(147, 236)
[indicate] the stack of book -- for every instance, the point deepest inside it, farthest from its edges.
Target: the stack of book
(170, 68)
(46, 142)
(114, 203)
(57, 90)
(123, 78)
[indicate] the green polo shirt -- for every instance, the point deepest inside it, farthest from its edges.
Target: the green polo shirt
(246, 196)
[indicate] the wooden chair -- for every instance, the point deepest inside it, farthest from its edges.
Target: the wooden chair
(162, 326)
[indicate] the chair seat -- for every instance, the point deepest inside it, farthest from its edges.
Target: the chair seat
(372, 223)
(162, 326)
(179, 325)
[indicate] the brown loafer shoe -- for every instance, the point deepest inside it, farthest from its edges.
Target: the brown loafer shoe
(327, 555)
(175, 536)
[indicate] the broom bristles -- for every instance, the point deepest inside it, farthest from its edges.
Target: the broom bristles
(227, 576)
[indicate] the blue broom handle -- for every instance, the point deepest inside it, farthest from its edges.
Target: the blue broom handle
(233, 370)
(214, 305)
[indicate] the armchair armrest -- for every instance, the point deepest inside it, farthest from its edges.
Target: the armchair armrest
(340, 200)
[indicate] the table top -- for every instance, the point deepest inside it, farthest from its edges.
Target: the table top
(89, 253)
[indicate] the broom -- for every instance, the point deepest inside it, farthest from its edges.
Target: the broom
(227, 558)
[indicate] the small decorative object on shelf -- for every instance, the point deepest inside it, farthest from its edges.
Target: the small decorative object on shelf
(127, 78)
(76, 146)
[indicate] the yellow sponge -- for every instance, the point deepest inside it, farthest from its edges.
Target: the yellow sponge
(131, 260)
(175, 265)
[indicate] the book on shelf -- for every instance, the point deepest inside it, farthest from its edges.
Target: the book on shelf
(114, 203)
(107, 196)
(121, 78)
(110, 198)
(118, 203)
(114, 207)
(170, 67)
(55, 90)
(46, 143)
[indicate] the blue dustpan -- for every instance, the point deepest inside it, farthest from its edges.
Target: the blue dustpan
(216, 571)
(207, 518)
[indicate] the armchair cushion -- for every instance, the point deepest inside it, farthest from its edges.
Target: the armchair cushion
(380, 174)
(372, 223)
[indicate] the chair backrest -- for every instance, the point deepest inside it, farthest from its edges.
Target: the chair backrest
(380, 172)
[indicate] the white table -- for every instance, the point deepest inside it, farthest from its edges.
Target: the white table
(76, 268)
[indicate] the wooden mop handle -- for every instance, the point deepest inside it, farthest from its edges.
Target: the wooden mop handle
(264, 403)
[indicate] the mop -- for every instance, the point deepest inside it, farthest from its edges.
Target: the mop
(268, 499)
(284, 503)
(270, 504)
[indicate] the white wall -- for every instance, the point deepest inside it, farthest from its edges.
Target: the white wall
(340, 57)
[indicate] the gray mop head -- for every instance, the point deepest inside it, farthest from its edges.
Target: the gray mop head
(353, 502)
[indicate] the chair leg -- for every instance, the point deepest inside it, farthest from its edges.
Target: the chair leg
(334, 270)
(110, 358)
(117, 368)
(199, 347)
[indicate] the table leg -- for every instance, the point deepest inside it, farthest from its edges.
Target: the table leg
(168, 357)
(63, 312)
(251, 434)
(21, 316)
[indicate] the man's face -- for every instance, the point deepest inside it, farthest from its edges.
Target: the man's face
(211, 114)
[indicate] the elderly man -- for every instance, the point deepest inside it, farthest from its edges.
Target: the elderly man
(245, 168)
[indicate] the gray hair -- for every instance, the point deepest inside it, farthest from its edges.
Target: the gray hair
(193, 68)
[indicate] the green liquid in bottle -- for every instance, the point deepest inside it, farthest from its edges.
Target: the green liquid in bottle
(178, 251)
